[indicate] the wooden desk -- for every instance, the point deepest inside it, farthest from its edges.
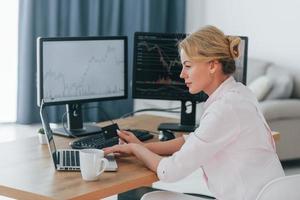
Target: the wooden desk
(27, 171)
(276, 136)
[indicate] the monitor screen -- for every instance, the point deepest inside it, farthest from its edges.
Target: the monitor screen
(75, 70)
(82, 69)
(157, 68)
(156, 72)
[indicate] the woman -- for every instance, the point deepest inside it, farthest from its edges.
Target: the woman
(233, 144)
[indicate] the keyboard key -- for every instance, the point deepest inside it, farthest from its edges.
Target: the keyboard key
(68, 163)
(77, 158)
(64, 158)
(72, 158)
(58, 157)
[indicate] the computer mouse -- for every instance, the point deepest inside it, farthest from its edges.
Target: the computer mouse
(166, 135)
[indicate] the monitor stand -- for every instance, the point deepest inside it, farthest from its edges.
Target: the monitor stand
(75, 126)
(187, 120)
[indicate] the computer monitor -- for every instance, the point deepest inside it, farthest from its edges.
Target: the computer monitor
(77, 70)
(156, 73)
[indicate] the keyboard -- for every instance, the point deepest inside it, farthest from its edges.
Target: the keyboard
(98, 141)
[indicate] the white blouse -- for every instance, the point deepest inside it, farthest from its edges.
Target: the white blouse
(233, 145)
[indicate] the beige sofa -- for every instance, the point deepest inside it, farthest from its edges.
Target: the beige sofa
(280, 103)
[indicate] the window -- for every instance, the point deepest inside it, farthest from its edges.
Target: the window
(8, 60)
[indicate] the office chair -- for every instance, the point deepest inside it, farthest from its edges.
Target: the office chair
(168, 195)
(281, 188)
(278, 189)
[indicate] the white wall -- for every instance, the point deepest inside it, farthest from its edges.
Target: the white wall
(273, 26)
(195, 15)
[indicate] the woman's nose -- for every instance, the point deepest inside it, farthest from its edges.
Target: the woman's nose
(182, 73)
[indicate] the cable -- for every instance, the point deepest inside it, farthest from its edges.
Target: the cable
(141, 110)
(41, 115)
(154, 109)
(64, 127)
(148, 109)
(42, 105)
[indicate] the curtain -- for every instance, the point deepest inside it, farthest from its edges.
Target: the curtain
(54, 18)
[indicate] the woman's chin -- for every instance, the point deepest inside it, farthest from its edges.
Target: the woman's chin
(193, 91)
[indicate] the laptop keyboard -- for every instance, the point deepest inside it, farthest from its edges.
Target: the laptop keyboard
(68, 158)
(112, 163)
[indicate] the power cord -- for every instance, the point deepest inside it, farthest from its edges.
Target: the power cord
(64, 126)
(171, 110)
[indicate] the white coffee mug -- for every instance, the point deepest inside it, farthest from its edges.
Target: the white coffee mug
(92, 163)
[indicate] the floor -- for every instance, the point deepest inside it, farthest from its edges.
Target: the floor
(191, 184)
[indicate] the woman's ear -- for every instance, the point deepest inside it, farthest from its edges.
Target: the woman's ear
(213, 65)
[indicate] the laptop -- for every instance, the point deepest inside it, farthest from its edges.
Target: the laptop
(67, 159)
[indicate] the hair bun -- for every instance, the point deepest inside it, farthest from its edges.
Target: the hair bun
(234, 42)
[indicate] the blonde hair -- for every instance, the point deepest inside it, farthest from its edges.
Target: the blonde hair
(210, 43)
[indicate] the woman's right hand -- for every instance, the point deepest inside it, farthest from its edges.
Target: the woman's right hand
(128, 137)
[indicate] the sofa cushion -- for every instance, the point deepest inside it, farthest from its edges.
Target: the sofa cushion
(295, 72)
(282, 83)
(280, 109)
(256, 68)
(261, 86)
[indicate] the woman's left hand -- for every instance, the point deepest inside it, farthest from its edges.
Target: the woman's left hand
(121, 149)
(149, 158)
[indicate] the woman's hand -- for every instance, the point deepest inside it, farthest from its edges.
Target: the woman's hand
(149, 158)
(121, 149)
(128, 137)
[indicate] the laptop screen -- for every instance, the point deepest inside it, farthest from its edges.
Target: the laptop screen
(49, 134)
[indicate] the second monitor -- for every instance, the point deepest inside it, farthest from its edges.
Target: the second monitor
(157, 69)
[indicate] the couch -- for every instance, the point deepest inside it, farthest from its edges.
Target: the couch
(278, 91)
